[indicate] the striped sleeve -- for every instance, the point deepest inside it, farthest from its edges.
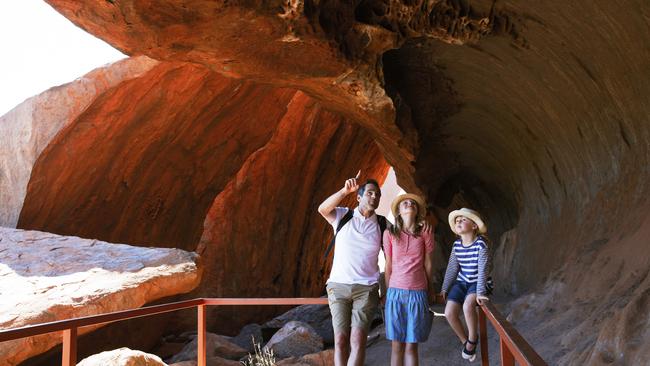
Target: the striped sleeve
(483, 261)
(452, 271)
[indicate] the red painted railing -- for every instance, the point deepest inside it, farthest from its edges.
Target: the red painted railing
(513, 345)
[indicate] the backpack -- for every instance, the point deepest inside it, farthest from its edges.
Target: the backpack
(489, 286)
(344, 220)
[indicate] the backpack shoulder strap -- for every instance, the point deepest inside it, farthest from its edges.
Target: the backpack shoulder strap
(344, 220)
(383, 223)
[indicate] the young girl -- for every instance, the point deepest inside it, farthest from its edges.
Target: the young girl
(466, 276)
(409, 259)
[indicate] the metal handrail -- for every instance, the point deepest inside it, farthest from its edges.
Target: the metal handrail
(69, 326)
(513, 345)
(59, 325)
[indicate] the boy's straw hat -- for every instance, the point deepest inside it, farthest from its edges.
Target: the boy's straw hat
(422, 207)
(470, 214)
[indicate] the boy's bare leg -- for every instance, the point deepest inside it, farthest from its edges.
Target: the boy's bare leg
(471, 318)
(397, 354)
(411, 355)
(452, 313)
(341, 349)
(358, 338)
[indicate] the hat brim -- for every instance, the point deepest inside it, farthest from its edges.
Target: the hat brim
(482, 229)
(422, 207)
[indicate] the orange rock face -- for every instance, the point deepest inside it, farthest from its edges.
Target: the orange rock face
(184, 157)
(271, 203)
(184, 120)
(28, 129)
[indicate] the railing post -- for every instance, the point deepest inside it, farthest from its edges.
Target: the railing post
(69, 347)
(507, 359)
(482, 326)
(201, 354)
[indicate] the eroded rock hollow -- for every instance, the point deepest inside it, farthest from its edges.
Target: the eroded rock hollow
(534, 113)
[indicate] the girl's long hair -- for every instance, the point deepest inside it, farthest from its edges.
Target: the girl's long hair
(397, 228)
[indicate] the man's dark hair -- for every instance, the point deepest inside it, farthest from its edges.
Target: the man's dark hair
(362, 188)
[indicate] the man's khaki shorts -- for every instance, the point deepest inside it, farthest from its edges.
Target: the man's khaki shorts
(352, 305)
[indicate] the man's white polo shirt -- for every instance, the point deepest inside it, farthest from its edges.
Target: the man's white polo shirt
(356, 249)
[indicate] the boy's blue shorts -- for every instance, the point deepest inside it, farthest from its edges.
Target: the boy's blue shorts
(460, 290)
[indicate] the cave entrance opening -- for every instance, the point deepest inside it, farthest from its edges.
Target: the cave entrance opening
(389, 190)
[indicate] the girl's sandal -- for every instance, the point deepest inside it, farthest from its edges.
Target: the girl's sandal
(467, 354)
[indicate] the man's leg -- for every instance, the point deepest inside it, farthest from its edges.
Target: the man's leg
(365, 300)
(471, 318)
(341, 348)
(452, 312)
(397, 354)
(358, 338)
(340, 302)
(411, 355)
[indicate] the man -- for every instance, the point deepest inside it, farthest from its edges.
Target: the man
(352, 288)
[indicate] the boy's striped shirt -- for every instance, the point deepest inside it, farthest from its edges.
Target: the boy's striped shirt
(467, 258)
(468, 264)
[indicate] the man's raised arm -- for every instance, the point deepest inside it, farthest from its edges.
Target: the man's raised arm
(326, 209)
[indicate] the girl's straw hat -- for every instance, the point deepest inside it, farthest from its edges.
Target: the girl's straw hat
(470, 214)
(422, 207)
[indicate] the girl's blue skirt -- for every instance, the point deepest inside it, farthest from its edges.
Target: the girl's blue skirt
(407, 315)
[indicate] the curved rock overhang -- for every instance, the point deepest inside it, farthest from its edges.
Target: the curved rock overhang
(184, 157)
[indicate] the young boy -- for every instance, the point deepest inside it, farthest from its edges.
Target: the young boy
(466, 277)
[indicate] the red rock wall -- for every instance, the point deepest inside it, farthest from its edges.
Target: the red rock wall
(144, 162)
(29, 127)
(184, 157)
(271, 203)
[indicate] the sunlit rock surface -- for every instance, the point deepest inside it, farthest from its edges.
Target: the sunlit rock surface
(27, 129)
(122, 357)
(47, 277)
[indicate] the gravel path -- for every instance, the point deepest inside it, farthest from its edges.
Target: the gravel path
(442, 348)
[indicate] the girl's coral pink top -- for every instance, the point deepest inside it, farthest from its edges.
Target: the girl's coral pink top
(407, 255)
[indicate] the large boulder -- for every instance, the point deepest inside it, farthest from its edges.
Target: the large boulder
(216, 346)
(122, 357)
(324, 358)
(47, 277)
(295, 339)
(248, 336)
(317, 316)
(210, 361)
